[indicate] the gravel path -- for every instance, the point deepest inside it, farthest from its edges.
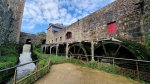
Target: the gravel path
(72, 74)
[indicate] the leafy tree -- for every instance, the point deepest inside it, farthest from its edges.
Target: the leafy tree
(42, 33)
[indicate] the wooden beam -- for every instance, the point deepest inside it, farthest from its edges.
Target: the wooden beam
(57, 49)
(67, 50)
(92, 50)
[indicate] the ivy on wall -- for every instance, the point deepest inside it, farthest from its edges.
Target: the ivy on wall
(148, 45)
(147, 24)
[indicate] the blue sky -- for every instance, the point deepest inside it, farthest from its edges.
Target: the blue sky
(39, 13)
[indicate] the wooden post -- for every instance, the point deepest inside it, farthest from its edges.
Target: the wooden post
(67, 50)
(50, 50)
(49, 64)
(57, 49)
(98, 59)
(92, 50)
(45, 49)
(15, 77)
(36, 71)
(137, 67)
(113, 62)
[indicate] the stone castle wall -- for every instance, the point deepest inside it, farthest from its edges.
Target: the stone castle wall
(127, 14)
(11, 12)
(147, 15)
(35, 39)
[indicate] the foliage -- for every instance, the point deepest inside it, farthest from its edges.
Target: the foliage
(62, 59)
(148, 45)
(37, 52)
(92, 64)
(9, 48)
(36, 74)
(10, 53)
(42, 33)
(137, 46)
(8, 58)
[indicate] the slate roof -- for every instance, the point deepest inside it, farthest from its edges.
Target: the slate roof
(61, 26)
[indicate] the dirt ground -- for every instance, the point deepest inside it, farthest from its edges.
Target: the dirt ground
(72, 74)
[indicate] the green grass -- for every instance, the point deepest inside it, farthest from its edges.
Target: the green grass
(92, 64)
(8, 58)
(8, 61)
(62, 59)
(37, 52)
(9, 55)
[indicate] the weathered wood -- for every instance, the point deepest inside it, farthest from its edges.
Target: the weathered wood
(92, 50)
(117, 51)
(67, 50)
(113, 62)
(50, 50)
(45, 49)
(137, 67)
(57, 49)
(15, 76)
(36, 71)
(104, 49)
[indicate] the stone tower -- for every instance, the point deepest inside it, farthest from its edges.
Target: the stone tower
(11, 12)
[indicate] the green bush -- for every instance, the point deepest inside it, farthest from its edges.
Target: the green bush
(37, 52)
(148, 45)
(9, 55)
(8, 58)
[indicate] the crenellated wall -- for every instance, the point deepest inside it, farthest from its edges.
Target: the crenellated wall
(128, 15)
(11, 12)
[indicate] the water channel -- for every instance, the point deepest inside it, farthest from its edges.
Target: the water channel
(25, 57)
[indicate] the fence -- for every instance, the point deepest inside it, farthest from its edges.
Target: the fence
(5, 74)
(138, 69)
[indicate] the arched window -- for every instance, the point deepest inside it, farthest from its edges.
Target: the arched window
(68, 35)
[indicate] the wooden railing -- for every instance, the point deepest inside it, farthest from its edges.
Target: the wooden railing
(28, 79)
(35, 75)
(139, 69)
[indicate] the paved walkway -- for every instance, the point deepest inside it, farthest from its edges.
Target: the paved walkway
(72, 74)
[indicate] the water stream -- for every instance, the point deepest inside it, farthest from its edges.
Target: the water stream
(25, 57)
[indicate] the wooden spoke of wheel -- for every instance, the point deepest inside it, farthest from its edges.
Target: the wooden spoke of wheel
(71, 55)
(104, 48)
(74, 50)
(78, 52)
(117, 51)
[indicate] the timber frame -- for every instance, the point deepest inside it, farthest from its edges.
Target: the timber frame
(90, 47)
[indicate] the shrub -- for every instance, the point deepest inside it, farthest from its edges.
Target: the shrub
(148, 45)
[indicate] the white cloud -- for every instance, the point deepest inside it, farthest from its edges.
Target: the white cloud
(58, 11)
